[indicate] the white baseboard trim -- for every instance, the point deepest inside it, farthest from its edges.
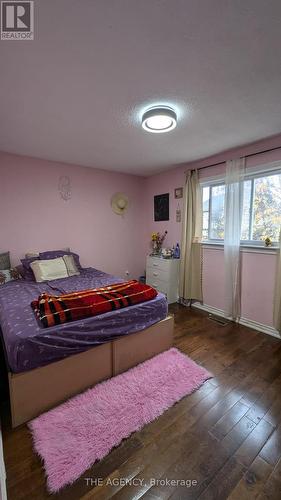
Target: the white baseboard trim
(260, 327)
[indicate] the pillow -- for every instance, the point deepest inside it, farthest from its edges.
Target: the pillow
(5, 261)
(27, 271)
(8, 275)
(49, 269)
(30, 255)
(54, 254)
(36, 254)
(71, 267)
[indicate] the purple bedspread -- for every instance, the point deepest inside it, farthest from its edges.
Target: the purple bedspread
(29, 345)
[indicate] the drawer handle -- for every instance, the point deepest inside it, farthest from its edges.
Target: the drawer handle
(155, 274)
(155, 265)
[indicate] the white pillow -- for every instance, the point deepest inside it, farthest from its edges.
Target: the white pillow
(47, 270)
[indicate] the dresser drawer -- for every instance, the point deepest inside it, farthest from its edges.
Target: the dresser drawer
(157, 274)
(160, 286)
(156, 263)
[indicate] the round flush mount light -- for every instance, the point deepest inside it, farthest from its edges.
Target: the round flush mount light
(159, 119)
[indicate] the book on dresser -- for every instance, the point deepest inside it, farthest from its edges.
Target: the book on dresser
(163, 274)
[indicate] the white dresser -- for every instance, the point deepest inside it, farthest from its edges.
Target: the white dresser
(163, 274)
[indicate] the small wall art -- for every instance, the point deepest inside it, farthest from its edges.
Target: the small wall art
(178, 192)
(64, 187)
(161, 207)
(178, 214)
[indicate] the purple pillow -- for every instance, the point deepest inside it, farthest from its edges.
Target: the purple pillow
(54, 254)
(26, 270)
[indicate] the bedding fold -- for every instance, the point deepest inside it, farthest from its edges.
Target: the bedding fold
(56, 309)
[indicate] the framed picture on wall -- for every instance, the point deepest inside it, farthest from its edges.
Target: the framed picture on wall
(161, 207)
(178, 192)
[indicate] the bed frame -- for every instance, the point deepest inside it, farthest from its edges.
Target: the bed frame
(38, 390)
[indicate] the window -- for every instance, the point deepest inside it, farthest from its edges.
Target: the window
(261, 209)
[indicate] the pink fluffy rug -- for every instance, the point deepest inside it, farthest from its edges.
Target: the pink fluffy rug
(74, 435)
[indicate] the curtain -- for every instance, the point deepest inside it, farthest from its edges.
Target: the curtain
(233, 209)
(277, 295)
(191, 257)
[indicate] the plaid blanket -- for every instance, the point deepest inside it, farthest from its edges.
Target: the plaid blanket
(56, 309)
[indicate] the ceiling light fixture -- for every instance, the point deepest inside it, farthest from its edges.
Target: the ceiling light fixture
(159, 119)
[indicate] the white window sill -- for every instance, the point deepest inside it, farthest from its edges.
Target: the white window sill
(247, 248)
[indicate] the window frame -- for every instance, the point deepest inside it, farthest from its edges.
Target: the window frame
(220, 181)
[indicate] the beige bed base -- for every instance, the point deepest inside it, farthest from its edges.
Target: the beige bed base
(38, 390)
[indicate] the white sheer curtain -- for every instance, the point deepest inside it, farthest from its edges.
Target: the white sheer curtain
(191, 257)
(233, 209)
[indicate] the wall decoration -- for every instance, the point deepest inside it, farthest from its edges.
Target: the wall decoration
(178, 214)
(161, 207)
(119, 203)
(65, 187)
(178, 192)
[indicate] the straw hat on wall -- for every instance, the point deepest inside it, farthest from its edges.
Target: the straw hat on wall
(119, 203)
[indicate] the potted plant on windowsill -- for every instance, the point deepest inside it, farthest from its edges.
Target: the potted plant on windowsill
(268, 242)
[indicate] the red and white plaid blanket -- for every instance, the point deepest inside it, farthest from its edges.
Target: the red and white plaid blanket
(56, 309)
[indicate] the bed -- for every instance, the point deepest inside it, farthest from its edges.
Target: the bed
(48, 365)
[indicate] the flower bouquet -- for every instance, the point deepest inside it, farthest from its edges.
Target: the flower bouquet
(157, 242)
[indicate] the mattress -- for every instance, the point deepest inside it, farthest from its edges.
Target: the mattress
(28, 345)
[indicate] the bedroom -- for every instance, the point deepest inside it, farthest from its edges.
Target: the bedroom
(85, 189)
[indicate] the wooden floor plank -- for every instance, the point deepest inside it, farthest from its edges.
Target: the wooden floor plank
(250, 448)
(271, 490)
(224, 425)
(237, 435)
(225, 481)
(264, 403)
(251, 484)
(273, 415)
(271, 452)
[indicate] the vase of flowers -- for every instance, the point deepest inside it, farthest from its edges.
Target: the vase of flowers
(157, 242)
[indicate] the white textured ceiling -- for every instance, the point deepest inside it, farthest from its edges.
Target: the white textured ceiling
(76, 93)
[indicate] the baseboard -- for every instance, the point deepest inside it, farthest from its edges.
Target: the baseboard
(260, 327)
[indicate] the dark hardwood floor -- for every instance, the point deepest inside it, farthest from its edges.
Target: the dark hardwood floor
(225, 437)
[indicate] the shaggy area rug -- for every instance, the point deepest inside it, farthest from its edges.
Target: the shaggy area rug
(71, 437)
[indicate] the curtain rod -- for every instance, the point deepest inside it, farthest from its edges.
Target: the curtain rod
(246, 156)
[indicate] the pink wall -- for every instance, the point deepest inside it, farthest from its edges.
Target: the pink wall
(34, 217)
(258, 287)
(258, 268)
(258, 272)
